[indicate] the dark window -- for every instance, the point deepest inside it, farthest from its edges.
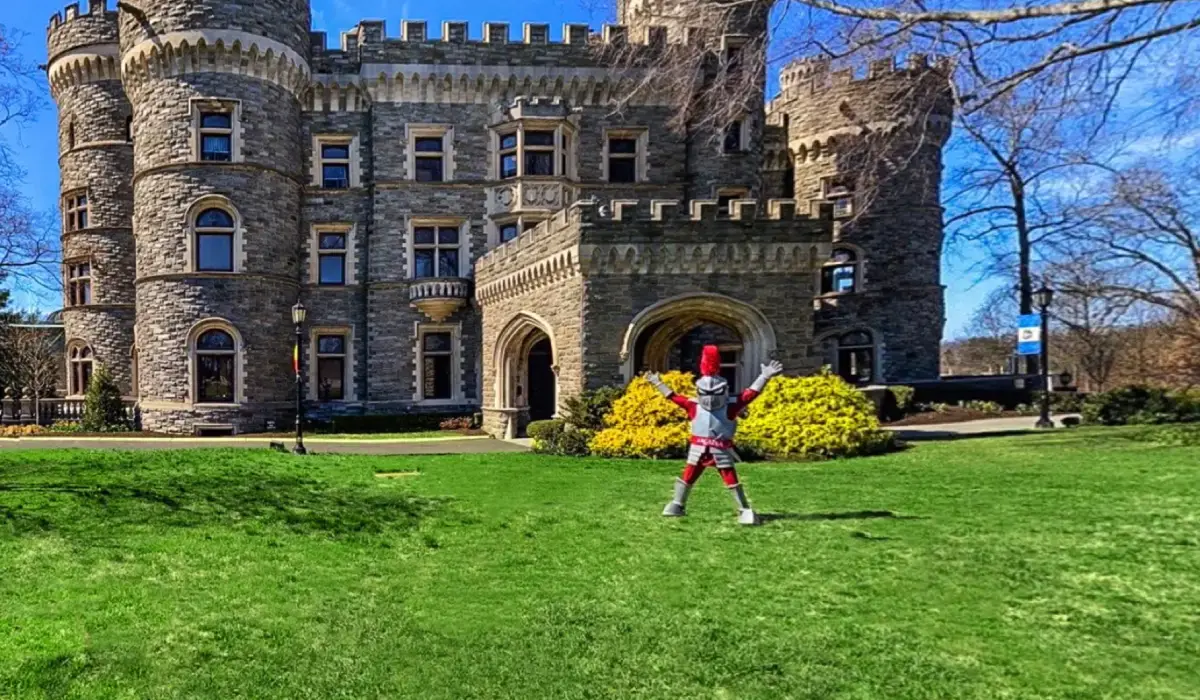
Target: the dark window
(621, 146)
(853, 357)
(79, 284)
(435, 251)
(508, 232)
(622, 170)
(216, 136)
(71, 135)
(508, 141)
(331, 259)
(75, 212)
(331, 367)
(335, 176)
(539, 163)
(430, 169)
(214, 241)
(733, 137)
(437, 353)
(215, 362)
(429, 144)
(81, 370)
(335, 166)
(539, 138)
(129, 129)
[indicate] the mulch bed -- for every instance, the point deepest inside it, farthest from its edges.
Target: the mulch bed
(951, 416)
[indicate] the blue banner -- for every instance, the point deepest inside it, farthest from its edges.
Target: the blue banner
(1029, 334)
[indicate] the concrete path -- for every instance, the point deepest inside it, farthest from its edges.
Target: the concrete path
(975, 428)
(432, 446)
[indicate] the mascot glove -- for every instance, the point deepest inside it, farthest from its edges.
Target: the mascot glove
(657, 383)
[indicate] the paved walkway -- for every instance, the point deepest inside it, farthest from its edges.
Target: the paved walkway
(974, 428)
(432, 446)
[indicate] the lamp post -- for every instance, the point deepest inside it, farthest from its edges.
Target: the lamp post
(298, 315)
(1044, 297)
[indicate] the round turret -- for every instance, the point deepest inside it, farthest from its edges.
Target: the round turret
(872, 145)
(95, 161)
(216, 88)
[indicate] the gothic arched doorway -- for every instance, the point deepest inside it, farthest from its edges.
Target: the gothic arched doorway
(526, 378)
(540, 371)
(670, 335)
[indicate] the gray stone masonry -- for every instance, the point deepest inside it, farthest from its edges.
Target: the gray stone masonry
(584, 278)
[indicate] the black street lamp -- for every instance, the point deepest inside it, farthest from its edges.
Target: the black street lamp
(1043, 297)
(298, 315)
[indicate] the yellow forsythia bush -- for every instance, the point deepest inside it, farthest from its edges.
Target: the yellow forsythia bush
(820, 415)
(642, 423)
(16, 431)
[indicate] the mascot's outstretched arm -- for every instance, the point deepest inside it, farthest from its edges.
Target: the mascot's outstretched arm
(769, 371)
(681, 401)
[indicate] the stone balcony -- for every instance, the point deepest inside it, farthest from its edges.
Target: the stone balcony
(439, 298)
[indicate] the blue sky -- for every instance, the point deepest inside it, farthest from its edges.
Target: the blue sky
(35, 145)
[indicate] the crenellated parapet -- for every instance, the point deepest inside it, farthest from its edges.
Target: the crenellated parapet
(82, 46)
(822, 107)
(218, 50)
(658, 237)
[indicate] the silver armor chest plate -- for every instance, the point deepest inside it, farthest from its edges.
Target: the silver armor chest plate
(716, 425)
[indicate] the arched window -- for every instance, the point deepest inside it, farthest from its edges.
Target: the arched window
(80, 369)
(840, 273)
(214, 230)
(852, 356)
(216, 367)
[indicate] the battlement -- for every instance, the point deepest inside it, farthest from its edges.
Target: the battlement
(73, 29)
(808, 75)
(660, 221)
(371, 37)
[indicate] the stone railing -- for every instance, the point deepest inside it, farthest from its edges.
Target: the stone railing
(439, 298)
(24, 408)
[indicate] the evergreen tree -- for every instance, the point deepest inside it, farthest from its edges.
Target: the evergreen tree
(103, 409)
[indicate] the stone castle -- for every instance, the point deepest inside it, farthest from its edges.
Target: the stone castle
(470, 224)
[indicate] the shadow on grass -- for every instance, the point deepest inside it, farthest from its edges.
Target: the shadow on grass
(246, 501)
(849, 515)
(946, 435)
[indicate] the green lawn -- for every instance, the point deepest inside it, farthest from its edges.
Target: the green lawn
(1062, 565)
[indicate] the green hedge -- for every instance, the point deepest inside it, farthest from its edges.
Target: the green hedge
(556, 437)
(397, 423)
(1142, 405)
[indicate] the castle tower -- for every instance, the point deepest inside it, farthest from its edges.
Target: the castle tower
(96, 156)
(216, 89)
(725, 153)
(872, 146)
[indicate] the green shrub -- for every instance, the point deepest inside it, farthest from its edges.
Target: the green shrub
(66, 426)
(103, 408)
(556, 437)
(394, 423)
(820, 415)
(989, 407)
(1134, 405)
(587, 410)
(903, 396)
(1067, 401)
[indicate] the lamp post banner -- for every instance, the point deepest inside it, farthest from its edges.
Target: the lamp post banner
(1029, 334)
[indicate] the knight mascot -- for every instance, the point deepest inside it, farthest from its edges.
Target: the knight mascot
(714, 417)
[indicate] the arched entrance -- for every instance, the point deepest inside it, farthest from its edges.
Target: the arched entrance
(670, 334)
(526, 381)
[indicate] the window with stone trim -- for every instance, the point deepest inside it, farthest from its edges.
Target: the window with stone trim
(436, 250)
(852, 356)
(437, 371)
(430, 148)
(214, 230)
(839, 191)
(79, 283)
(75, 211)
(839, 275)
(335, 165)
(216, 136)
(79, 368)
(332, 350)
(509, 228)
(535, 149)
(625, 155)
(215, 370)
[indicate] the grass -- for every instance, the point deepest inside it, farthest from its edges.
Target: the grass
(1062, 565)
